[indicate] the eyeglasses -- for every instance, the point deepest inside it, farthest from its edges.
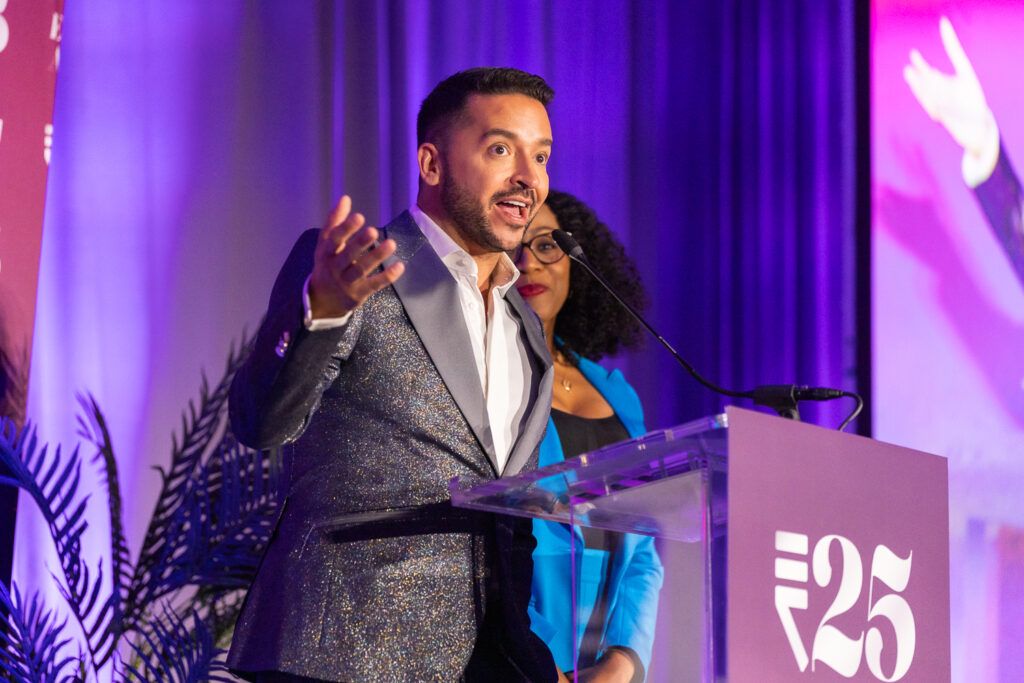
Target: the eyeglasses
(543, 247)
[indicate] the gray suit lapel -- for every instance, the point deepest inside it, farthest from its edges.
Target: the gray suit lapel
(535, 421)
(430, 297)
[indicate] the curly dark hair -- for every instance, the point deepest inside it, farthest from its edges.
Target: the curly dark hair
(447, 100)
(591, 323)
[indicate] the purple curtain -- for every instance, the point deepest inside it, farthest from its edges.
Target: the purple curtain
(194, 141)
(717, 140)
(739, 205)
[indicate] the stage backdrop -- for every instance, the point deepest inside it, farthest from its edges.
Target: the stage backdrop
(195, 140)
(948, 292)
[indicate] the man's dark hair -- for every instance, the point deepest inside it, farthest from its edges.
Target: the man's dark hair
(447, 100)
(591, 323)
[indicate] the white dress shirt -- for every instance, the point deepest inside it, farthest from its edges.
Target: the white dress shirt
(498, 349)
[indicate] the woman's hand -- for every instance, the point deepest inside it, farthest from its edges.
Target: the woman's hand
(613, 667)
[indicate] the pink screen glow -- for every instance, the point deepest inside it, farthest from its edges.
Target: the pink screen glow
(948, 304)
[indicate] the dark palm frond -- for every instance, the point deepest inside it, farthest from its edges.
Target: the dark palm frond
(92, 425)
(53, 484)
(215, 514)
(238, 492)
(216, 509)
(31, 641)
(200, 429)
(161, 545)
(220, 610)
(224, 522)
(177, 650)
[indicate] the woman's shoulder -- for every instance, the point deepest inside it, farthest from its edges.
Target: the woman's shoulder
(607, 381)
(617, 391)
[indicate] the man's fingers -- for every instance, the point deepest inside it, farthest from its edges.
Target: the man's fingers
(955, 50)
(353, 249)
(919, 63)
(338, 214)
(924, 96)
(379, 281)
(346, 263)
(340, 235)
(341, 224)
(362, 286)
(360, 258)
(358, 243)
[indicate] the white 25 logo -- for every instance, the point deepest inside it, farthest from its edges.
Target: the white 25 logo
(831, 646)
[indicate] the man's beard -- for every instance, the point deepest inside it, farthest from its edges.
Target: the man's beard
(470, 218)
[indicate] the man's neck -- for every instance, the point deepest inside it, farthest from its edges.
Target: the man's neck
(486, 264)
(486, 261)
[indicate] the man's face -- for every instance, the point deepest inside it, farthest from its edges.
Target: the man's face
(494, 170)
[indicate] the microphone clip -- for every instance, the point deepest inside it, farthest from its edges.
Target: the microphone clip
(779, 397)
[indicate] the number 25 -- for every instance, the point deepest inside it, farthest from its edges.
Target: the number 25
(843, 653)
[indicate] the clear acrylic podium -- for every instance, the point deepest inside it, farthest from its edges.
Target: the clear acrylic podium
(669, 484)
(790, 552)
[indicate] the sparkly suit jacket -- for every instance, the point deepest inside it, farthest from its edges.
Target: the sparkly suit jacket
(371, 574)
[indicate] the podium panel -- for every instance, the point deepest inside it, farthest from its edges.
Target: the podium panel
(838, 556)
(790, 552)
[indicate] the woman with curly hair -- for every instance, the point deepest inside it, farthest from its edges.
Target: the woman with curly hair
(619, 575)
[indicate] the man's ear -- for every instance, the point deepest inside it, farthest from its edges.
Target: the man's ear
(429, 159)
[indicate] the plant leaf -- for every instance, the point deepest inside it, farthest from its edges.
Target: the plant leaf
(93, 427)
(177, 649)
(31, 642)
(55, 495)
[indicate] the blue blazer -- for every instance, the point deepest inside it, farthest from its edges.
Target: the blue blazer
(636, 573)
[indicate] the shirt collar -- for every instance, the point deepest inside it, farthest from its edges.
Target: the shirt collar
(457, 260)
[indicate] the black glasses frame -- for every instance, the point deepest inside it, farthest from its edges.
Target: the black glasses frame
(546, 259)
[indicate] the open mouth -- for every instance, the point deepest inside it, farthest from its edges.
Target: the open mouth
(515, 210)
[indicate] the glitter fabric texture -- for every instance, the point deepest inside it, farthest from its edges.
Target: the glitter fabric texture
(371, 575)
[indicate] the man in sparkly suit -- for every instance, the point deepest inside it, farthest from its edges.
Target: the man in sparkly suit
(390, 361)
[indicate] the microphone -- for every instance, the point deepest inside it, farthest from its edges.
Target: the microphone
(573, 250)
(782, 398)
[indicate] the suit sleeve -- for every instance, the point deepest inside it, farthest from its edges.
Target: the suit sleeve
(1003, 203)
(278, 388)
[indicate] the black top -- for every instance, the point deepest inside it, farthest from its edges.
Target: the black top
(581, 435)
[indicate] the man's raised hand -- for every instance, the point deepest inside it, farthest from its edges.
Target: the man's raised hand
(345, 263)
(956, 100)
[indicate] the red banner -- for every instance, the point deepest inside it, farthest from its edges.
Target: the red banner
(29, 55)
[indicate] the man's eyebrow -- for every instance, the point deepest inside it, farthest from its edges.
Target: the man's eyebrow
(502, 133)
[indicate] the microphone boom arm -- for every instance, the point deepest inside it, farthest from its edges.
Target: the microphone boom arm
(782, 398)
